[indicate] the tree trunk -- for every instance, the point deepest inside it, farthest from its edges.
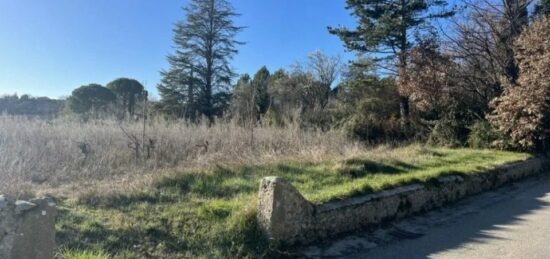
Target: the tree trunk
(190, 111)
(402, 70)
(131, 104)
(209, 67)
(515, 12)
(404, 114)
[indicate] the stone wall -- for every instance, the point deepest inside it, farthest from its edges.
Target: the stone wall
(288, 218)
(27, 228)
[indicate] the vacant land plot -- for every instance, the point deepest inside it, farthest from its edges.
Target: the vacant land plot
(192, 192)
(37, 154)
(210, 212)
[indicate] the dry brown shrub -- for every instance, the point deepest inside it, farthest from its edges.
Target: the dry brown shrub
(428, 78)
(523, 110)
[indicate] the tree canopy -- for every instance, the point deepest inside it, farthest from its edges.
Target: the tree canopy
(128, 91)
(386, 31)
(91, 98)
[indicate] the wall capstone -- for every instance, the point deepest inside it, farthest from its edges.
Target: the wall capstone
(282, 211)
(27, 228)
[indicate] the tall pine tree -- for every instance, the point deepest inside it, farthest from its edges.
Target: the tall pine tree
(199, 68)
(386, 29)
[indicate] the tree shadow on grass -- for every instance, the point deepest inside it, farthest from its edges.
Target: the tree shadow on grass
(358, 168)
(76, 232)
(220, 182)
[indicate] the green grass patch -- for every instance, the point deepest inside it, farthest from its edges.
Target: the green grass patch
(211, 213)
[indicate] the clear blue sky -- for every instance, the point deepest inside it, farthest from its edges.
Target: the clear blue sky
(48, 48)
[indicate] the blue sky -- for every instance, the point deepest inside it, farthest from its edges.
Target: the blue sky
(48, 48)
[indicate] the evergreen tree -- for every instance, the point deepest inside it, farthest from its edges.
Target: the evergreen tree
(179, 89)
(91, 98)
(513, 19)
(128, 92)
(242, 102)
(250, 96)
(260, 84)
(200, 73)
(386, 29)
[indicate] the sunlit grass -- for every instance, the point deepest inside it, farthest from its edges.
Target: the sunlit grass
(210, 213)
(70, 254)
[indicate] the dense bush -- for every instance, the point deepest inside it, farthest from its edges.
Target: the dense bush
(445, 132)
(483, 135)
(367, 107)
(523, 111)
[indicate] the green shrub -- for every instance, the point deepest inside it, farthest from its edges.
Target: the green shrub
(445, 133)
(482, 135)
(372, 129)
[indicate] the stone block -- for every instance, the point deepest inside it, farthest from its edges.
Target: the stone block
(283, 213)
(27, 228)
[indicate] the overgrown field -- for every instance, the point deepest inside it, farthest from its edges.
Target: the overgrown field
(38, 154)
(195, 194)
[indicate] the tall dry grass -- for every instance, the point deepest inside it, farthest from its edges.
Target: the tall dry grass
(36, 153)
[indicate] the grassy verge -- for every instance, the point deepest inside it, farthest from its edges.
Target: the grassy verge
(211, 213)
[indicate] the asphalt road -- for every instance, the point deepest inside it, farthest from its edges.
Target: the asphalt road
(511, 222)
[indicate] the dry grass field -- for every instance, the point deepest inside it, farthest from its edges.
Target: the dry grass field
(36, 155)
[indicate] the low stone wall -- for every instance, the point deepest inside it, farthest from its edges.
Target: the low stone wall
(27, 228)
(288, 218)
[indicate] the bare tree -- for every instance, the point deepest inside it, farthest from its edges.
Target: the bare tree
(326, 69)
(486, 34)
(482, 46)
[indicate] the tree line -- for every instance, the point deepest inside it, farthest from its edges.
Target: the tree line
(31, 106)
(474, 74)
(121, 96)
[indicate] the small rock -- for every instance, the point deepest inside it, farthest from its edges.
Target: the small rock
(3, 202)
(39, 178)
(21, 206)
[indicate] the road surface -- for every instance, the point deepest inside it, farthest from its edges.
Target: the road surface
(510, 222)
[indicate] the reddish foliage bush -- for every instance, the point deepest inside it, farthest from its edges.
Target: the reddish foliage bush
(523, 110)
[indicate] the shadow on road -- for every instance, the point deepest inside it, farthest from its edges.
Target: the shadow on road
(472, 221)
